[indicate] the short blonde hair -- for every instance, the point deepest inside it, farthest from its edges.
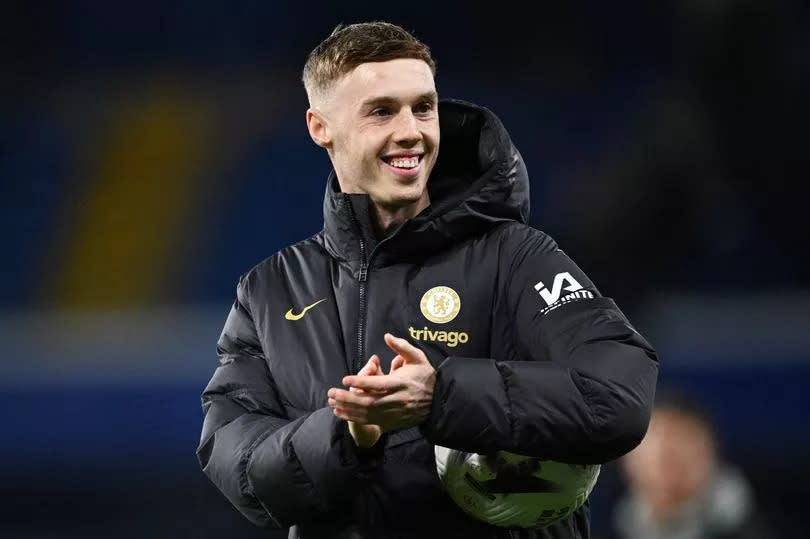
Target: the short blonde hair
(349, 46)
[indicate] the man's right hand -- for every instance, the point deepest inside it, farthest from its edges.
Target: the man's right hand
(364, 435)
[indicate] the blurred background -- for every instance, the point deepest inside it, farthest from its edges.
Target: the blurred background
(150, 152)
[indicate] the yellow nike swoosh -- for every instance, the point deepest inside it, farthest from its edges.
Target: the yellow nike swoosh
(299, 316)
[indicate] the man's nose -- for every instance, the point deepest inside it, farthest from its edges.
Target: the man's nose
(406, 129)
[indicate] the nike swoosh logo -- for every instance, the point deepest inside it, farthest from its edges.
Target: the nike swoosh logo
(299, 316)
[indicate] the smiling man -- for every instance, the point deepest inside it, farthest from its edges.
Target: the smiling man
(309, 424)
(380, 125)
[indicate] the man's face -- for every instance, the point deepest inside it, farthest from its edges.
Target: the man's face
(673, 462)
(383, 127)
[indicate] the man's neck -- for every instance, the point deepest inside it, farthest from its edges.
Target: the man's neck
(386, 218)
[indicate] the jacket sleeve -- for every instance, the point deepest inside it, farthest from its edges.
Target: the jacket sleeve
(274, 470)
(583, 388)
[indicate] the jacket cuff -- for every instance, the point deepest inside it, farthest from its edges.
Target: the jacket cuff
(470, 388)
(428, 425)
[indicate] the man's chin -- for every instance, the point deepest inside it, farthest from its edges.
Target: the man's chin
(400, 199)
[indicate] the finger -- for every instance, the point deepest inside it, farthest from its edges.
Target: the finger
(397, 362)
(403, 348)
(375, 361)
(344, 399)
(350, 412)
(347, 405)
(349, 415)
(372, 383)
(371, 366)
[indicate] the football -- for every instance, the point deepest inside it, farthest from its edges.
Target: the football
(509, 490)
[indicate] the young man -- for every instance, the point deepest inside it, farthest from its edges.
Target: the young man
(500, 341)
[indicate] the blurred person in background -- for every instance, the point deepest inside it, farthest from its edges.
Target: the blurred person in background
(679, 486)
(540, 363)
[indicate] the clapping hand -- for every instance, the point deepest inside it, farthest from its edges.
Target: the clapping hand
(364, 435)
(378, 403)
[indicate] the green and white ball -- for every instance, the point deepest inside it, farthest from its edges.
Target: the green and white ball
(509, 490)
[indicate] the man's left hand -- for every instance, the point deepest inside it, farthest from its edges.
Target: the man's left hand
(394, 401)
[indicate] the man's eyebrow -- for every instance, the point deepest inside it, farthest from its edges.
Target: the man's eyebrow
(432, 97)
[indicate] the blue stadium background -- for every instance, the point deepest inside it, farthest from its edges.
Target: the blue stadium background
(152, 152)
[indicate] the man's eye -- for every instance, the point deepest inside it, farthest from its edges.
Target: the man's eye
(380, 112)
(423, 108)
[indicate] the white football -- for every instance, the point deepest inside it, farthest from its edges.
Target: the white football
(509, 490)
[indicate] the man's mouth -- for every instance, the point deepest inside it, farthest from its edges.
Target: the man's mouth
(404, 165)
(403, 162)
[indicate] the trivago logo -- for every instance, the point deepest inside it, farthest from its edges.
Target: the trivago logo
(452, 338)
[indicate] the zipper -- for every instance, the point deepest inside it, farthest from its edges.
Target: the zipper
(361, 324)
(363, 278)
(365, 260)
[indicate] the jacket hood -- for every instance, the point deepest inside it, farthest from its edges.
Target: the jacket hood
(479, 181)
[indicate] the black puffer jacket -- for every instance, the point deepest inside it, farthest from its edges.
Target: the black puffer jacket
(530, 358)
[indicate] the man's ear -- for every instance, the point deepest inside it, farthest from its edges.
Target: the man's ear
(318, 128)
